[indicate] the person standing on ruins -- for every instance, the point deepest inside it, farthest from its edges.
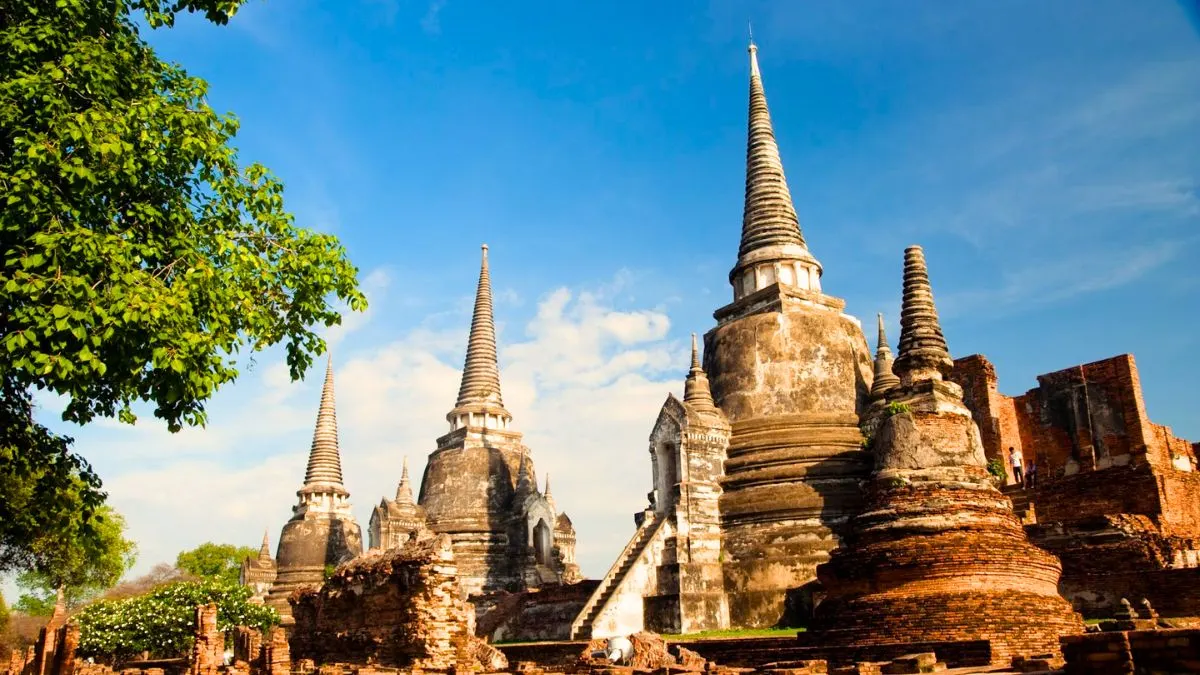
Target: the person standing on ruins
(1031, 475)
(1014, 458)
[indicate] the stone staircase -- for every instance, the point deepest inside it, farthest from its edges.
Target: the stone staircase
(1022, 501)
(581, 628)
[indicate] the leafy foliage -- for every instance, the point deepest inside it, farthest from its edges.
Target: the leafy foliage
(894, 409)
(139, 258)
(82, 566)
(163, 621)
(996, 468)
(5, 620)
(215, 561)
(45, 489)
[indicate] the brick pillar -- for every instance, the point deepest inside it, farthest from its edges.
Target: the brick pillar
(208, 652)
(247, 645)
(16, 662)
(67, 638)
(277, 654)
(43, 651)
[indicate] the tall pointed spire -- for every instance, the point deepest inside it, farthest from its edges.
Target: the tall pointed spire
(547, 490)
(696, 391)
(885, 379)
(769, 217)
(772, 247)
(264, 551)
(480, 388)
(404, 493)
(923, 354)
(324, 459)
(481, 372)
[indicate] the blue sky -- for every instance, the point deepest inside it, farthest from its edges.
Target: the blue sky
(1045, 154)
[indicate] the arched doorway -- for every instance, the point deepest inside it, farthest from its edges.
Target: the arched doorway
(543, 542)
(667, 462)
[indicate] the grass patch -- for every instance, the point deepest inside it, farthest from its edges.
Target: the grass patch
(735, 633)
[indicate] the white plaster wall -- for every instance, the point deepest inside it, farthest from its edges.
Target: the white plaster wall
(623, 614)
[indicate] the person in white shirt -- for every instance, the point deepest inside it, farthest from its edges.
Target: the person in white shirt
(1014, 458)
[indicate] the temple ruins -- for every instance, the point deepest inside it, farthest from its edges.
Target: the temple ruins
(937, 552)
(799, 481)
(1116, 497)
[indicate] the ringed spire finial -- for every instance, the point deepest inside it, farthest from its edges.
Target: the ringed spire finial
(885, 378)
(923, 352)
(479, 392)
(771, 242)
(696, 391)
(324, 473)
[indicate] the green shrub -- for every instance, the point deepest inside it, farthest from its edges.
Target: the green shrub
(163, 622)
(996, 468)
(894, 409)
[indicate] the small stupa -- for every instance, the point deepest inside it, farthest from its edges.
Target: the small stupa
(937, 553)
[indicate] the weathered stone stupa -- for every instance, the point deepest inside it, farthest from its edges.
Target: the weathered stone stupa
(885, 378)
(480, 486)
(791, 371)
(322, 530)
(259, 573)
(395, 521)
(937, 553)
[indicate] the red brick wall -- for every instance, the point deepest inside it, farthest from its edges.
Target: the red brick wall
(1173, 592)
(1171, 445)
(1121, 653)
(398, 608)
(1083, 496)
(1181, 503)
(1094, 412)
(994, 413)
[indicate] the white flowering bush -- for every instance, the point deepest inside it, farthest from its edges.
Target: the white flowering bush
(163, 621)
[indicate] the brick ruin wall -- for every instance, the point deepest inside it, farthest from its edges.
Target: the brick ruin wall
(401, 608)
(1078, 419)
(1078, 425)
(1117, 496)
(54, 653)
(1126, 653)
(532, 615)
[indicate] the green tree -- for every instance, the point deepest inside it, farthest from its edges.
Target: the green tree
(140, 258)
(83, 567)
(44, 487)
(215, 561)
(5, 619)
